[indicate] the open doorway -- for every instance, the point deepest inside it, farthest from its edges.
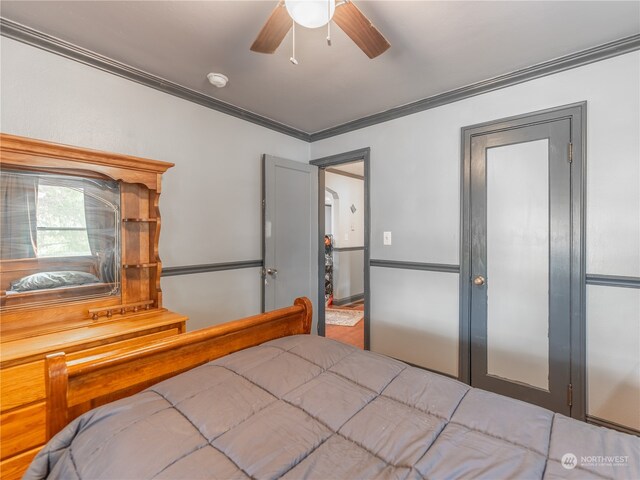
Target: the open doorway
(344, 247)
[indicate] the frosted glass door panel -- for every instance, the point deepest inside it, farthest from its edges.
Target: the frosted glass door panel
(520, 259)
(518, 263)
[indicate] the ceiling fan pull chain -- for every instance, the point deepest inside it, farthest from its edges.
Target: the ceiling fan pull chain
(293, 56)
(329, 22)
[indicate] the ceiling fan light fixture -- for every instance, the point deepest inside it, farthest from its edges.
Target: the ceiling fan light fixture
(311, 13)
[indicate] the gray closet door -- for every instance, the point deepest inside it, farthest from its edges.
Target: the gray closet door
(290, 232)
(521, 263)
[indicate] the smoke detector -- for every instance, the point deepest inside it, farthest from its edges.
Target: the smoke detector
(217, 79)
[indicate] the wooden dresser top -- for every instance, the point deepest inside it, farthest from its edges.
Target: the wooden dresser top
(29, 349)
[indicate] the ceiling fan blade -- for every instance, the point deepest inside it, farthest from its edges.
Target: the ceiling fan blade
(358, 27)
(273, 31)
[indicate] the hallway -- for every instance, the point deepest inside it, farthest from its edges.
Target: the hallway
(351, 335)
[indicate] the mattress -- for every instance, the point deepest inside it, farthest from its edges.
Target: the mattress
(309, 407)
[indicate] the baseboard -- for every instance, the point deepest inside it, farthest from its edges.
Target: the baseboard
(346, 301)
(437, 372)
(612, 425)
(592, 420)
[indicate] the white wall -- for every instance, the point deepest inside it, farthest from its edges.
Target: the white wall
(210, 202)
(349, 226)
(415, 178)
(348, 266)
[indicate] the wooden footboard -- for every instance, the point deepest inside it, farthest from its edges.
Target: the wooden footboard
(76, 385)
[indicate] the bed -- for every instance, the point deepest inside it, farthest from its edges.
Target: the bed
(267, 400)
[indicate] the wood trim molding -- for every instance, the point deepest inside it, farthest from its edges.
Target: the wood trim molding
(347, 249)
(210, 267)
(35, 38)
(578, 59)
(614, 426)
(364, 155)
(427, 369)
(427, 267)
(347, 300)
(613, 281)
(346, 157)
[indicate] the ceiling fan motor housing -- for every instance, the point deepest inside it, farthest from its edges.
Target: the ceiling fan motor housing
(311, 13)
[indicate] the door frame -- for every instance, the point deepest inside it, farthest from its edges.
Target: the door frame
(576, 113)
(363, 155)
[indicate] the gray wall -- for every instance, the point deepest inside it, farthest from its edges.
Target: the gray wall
(415, 178)
(211, 211)
(210, 202)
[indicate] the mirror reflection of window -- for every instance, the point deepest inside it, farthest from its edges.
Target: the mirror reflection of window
(18, 197)
(60, 237)
(61, 224)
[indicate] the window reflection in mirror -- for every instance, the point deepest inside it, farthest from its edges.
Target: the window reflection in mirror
(59, 237)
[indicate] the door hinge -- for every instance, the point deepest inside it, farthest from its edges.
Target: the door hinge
(570, 395)
(263, 203)
(571, 153)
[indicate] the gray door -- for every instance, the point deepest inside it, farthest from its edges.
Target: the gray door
(290, 232)
(520, 266)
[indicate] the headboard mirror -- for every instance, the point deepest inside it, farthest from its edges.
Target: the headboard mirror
(59, 237)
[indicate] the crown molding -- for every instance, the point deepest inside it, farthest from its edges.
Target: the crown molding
(578, 59)
(35, 38)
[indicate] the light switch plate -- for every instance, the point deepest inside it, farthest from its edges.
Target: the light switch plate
(386, 238)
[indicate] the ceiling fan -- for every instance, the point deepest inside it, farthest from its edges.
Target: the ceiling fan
(317, 13)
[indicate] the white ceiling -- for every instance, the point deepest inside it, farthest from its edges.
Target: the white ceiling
(436, 46)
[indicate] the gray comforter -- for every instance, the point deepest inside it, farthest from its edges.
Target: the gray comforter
(308, 407)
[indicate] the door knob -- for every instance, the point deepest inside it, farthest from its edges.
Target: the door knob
(479, 280)
(272, 271)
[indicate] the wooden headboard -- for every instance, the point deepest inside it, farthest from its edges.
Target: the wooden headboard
(75, 385)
